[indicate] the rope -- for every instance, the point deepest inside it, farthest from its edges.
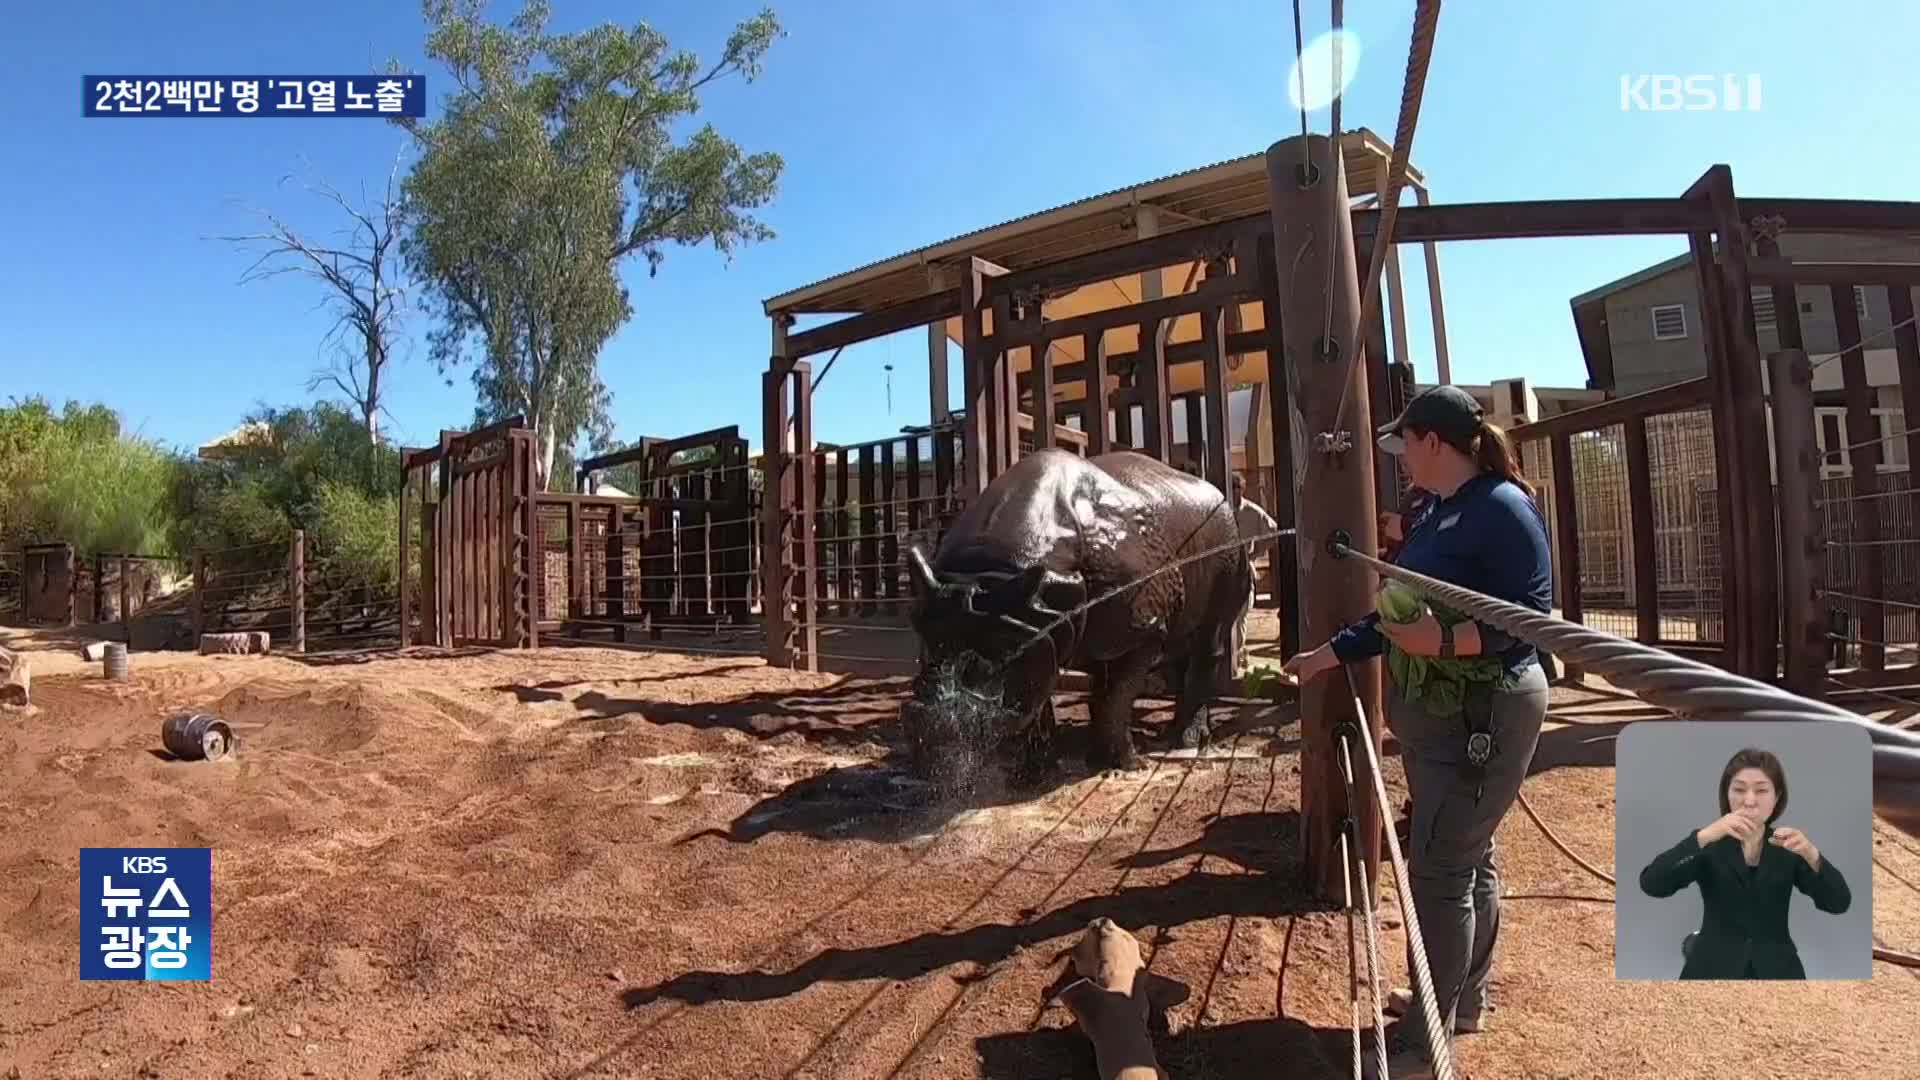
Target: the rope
(1439, 1040)
(1564, 849)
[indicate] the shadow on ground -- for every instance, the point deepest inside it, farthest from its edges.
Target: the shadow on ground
(1582, 745)
(1192, 898)
(881, 800)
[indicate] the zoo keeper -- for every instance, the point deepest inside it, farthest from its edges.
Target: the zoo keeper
(1454, 683)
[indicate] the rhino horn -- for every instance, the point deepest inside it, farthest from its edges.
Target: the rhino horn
(922, 570)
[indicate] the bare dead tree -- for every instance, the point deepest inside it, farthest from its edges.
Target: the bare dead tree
(362, 271)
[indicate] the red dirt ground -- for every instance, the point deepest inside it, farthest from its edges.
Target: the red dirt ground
(588, 862)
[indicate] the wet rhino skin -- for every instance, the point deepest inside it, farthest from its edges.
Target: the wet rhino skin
(1052, 532)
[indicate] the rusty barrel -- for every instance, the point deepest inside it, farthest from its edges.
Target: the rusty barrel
(115, 661)
(196, 737)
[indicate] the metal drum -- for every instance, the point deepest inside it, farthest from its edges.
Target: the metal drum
(115, 661)
(197, 737)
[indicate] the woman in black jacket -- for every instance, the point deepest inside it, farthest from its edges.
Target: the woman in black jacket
(1747, 870)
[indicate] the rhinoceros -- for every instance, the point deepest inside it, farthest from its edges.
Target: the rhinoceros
(1050, 534)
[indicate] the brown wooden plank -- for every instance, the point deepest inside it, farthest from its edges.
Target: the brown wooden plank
(1730, 490)
(805, 549)
(1151, 253)
(1674, 397)
(1751, 451)
(1196, 414)
(1045, 432)
(1094, 345)
(1566, 536)
(1906, 347)
(975, 360)
(1213, 292)
(824, 528)
(1219, 437)
(843, 531)
(1802, 532)
(889, 524)
(874, 324)
(869, 529)
(1646, 579)
(1283, 572)
(1864, 457)
(1151, 381)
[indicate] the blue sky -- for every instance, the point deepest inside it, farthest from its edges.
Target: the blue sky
(901, 125)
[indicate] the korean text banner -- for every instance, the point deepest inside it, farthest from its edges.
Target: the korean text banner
(254, 95)
(146, 913)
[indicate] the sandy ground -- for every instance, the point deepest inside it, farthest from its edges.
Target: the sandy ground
(591, 862)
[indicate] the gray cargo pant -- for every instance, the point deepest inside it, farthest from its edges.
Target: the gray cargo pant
(1450, 863)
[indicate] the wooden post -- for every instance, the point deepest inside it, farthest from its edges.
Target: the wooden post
(1729, 492)
(1098, 436)
(938, 395)
(1307, 192)
(297, 586)
(199, 597)
(1442, 366)
(1863, 469)
(808, 556)
(1646, 568)
(1285, 562)
(1750, 452)
(974, 470)
(776, 510)
(406, 510)
(1803, 555)
(1217, 465)
(1566, 537)
(99, 588)
(1151, 377)
(1044, 436)
(126, 612)
(535, 556)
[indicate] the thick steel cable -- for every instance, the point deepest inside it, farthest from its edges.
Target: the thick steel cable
(1353, 965)
(1684, 687)
(1439, 1040)
(1426, 19)
(1357, 873)
(1861, 345)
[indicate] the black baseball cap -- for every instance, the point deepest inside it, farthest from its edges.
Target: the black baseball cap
(1447, 411)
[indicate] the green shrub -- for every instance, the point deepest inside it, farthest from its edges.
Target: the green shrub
(354, 536)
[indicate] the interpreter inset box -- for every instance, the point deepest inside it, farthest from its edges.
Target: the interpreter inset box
(1743, 851)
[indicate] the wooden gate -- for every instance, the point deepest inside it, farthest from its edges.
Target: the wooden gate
(477, 566)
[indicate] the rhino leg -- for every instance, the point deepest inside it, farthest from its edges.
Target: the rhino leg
(1114, 691)
(1191, 726)
(1038, 758)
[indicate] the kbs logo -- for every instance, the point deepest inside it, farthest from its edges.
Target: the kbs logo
(1689, 93)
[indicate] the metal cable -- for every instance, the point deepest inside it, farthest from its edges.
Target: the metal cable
(1861, 345)
(1359, 875)
(1439, 1040)
(1870, 599)
(1426, 19)
(1685, 687)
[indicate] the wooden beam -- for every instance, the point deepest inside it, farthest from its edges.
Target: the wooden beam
(1212, 293)
(1218, 463)
(1179, 354)
(936, 307)
(1837, 215)
(1906, 347)
(1674, 397)
(1730, 492)
(1777, 271)
(939, 396)
(1138, 257)
(1550, 217)
(1094, 348)
(974, 359)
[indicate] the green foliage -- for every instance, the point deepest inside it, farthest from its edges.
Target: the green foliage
(1439, 684)
(74, 476)
(355, 535)
(553, 161)
(310, 468)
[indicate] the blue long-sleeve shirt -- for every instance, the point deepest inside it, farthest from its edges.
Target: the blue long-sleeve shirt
(1488, 536)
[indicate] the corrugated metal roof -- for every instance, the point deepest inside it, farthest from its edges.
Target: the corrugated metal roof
(1220, 191)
